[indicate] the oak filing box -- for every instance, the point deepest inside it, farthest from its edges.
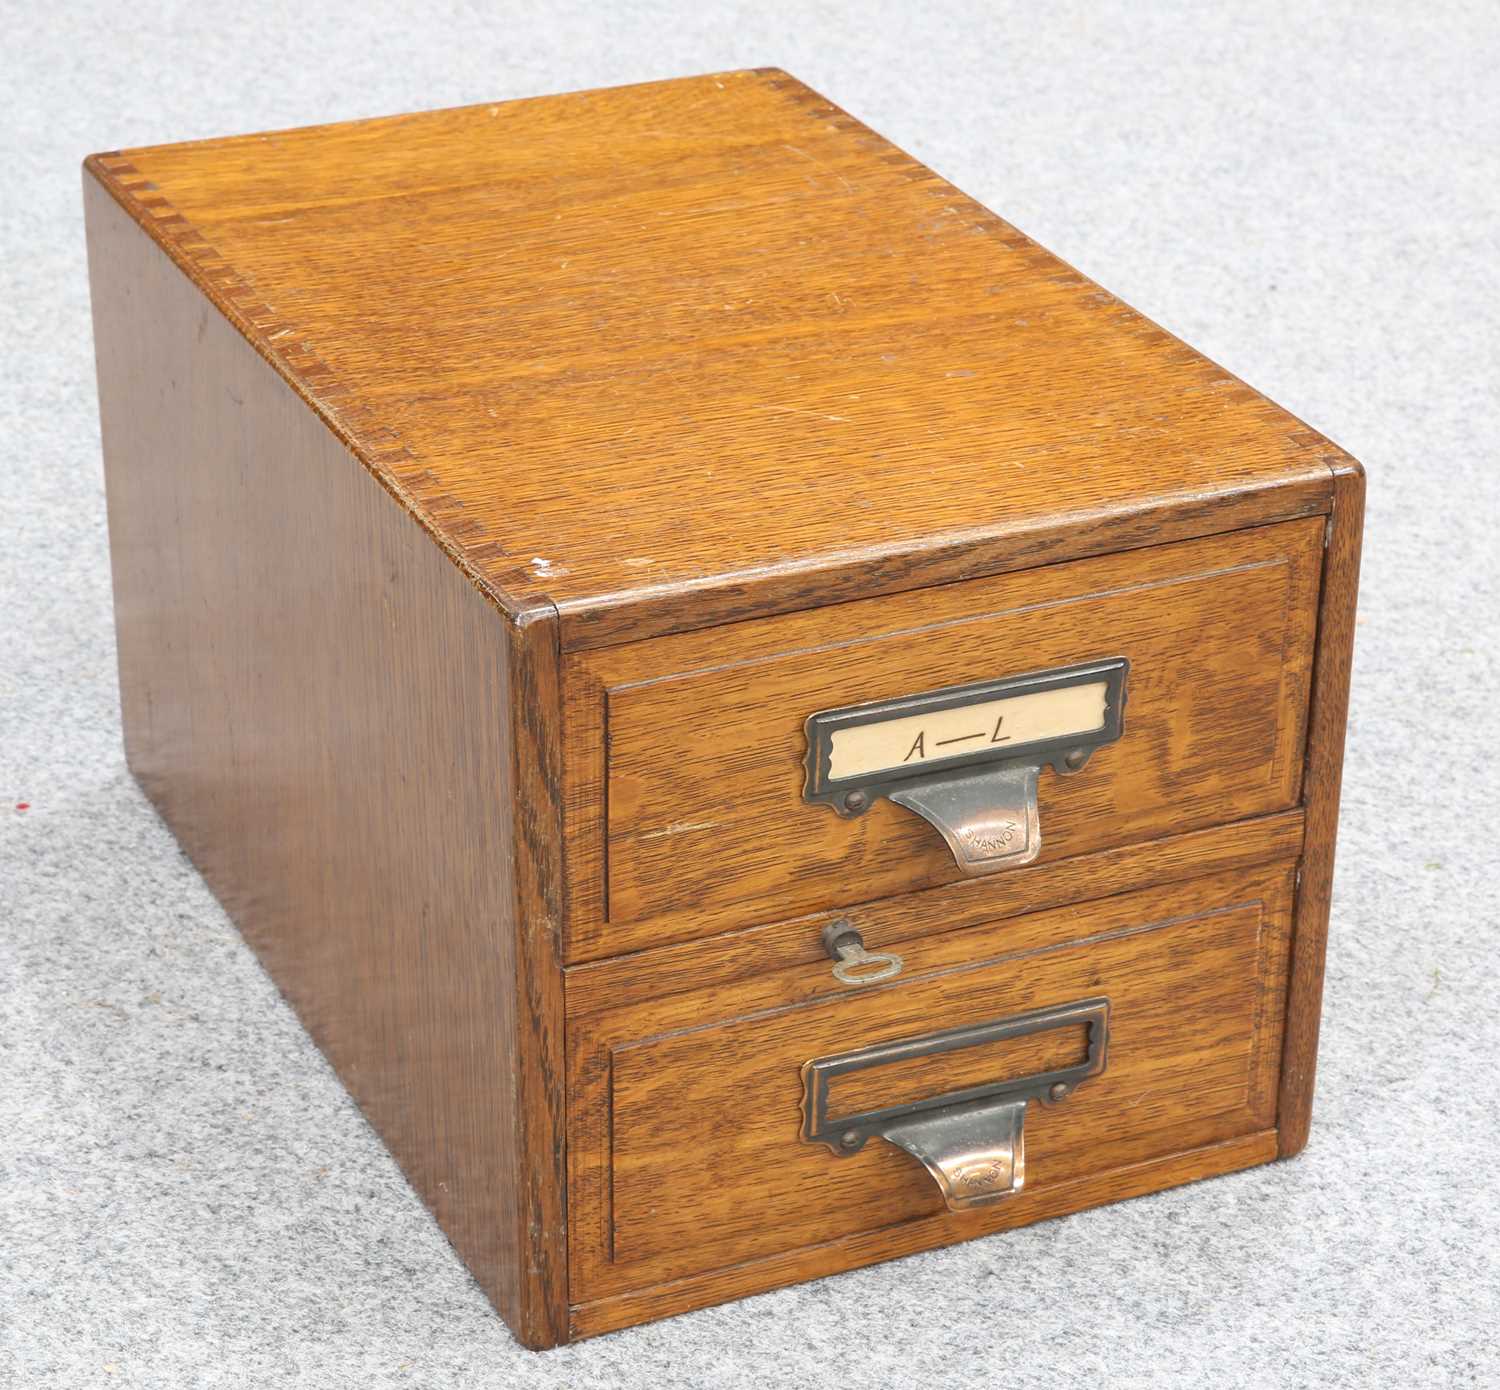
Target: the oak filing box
(762, 721)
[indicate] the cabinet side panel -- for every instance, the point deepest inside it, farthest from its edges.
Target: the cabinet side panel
(321, 707)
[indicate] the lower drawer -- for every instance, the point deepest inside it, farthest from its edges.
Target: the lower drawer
(688, 1147)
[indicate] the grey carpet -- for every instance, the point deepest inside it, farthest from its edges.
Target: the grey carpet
(1311, 195)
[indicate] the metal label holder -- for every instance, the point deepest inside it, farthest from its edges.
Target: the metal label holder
(971, 1141)
(982, 801)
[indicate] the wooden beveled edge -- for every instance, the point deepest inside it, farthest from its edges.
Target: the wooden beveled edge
(760, 1275)
(539, 1066)
(1322, 775)
(869, 573)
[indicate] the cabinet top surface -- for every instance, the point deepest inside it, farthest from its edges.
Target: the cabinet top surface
(681, 352)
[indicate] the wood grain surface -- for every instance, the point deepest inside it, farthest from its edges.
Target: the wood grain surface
(673, 354)
(355, 747)
(700, 798)
(684, 1145)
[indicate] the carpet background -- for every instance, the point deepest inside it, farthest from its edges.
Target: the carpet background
(1309, 194)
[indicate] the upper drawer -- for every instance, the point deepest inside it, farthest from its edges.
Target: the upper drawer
(685, 800)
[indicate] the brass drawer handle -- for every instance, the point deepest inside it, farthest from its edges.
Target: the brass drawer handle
(846, 948)
(972, 1140)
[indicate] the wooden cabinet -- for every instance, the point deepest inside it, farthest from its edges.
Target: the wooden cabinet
(505, 505)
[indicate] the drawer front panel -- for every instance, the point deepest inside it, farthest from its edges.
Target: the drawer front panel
(700, 797)
(685, 1146)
